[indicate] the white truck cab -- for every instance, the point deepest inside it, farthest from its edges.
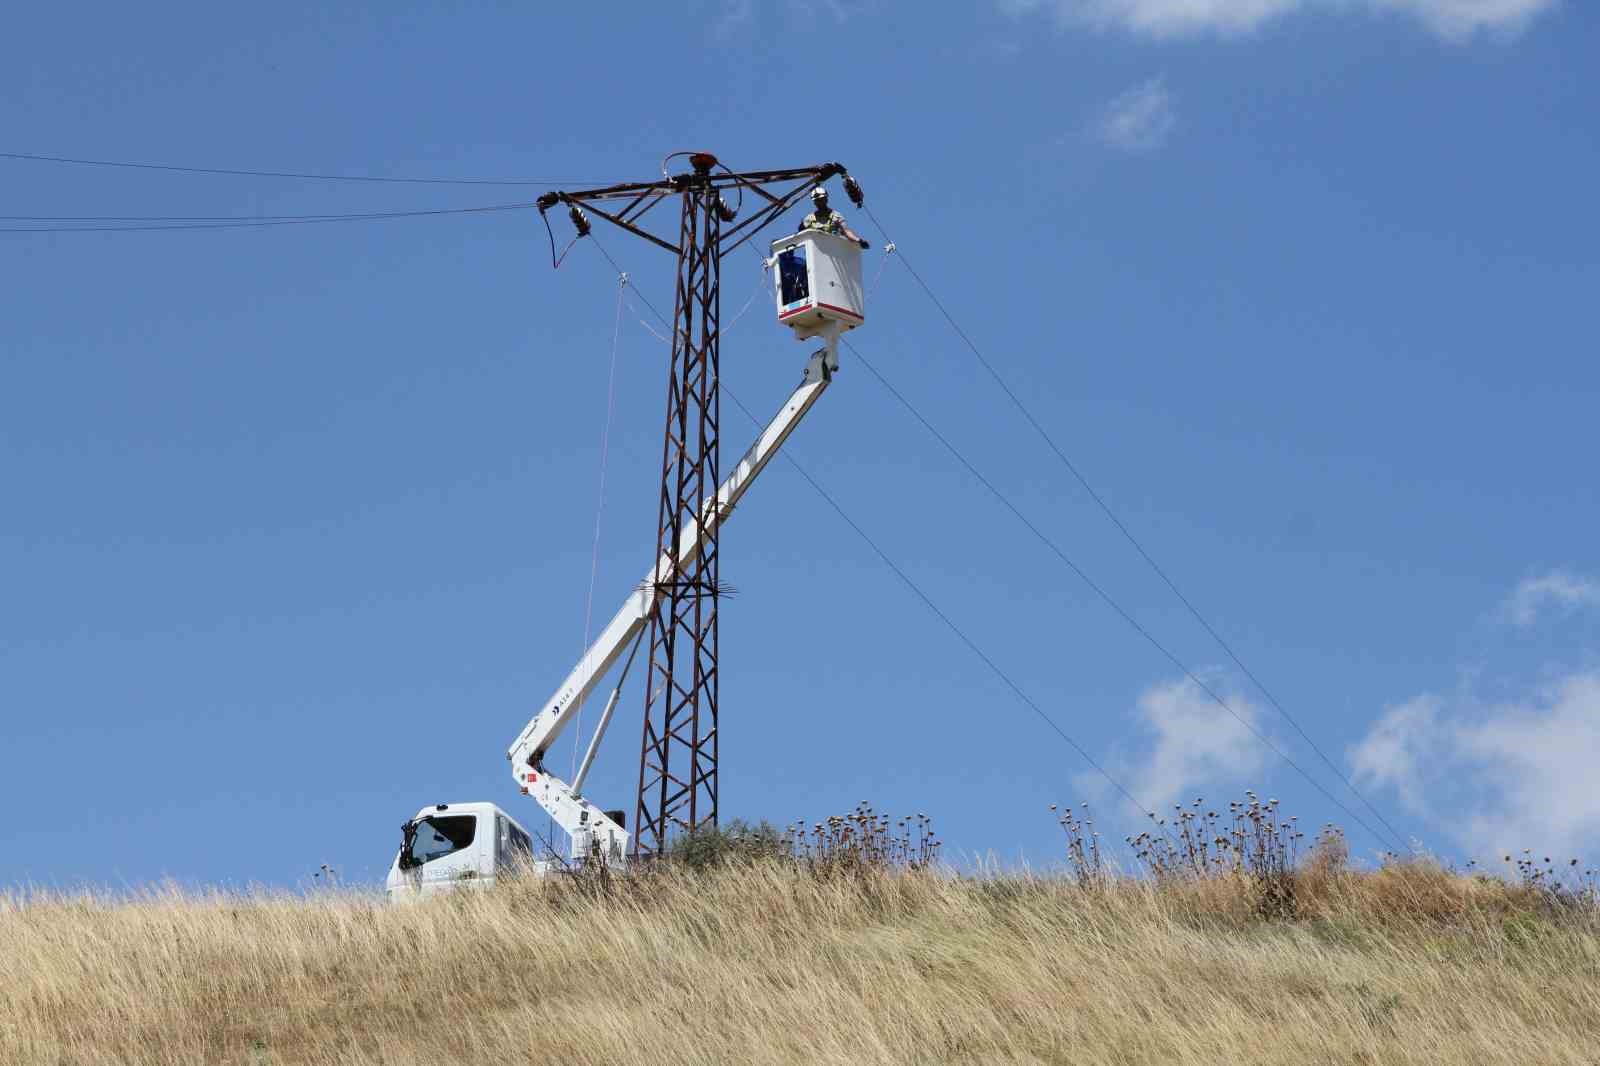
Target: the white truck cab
(457, 845)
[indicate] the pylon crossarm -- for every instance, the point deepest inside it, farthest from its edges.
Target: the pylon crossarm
(643, 196)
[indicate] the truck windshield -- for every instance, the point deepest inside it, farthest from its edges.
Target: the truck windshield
(435, 837)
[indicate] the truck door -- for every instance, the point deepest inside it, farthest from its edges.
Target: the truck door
(446, 848)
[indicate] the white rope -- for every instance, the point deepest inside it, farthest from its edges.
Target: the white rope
(761, 286)
(888, 250)
(600, 507)
(648, 328)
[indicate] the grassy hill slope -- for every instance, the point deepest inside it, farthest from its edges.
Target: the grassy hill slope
(771, 963)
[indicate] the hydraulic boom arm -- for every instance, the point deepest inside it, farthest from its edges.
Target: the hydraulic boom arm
(585, 823)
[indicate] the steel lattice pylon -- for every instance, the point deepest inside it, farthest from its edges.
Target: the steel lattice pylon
(678, 752)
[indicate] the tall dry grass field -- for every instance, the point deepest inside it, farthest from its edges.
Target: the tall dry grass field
(770, 963)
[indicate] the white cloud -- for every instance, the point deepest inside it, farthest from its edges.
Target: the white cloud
(1396, 748)
(1498, 779)
(1194, 744)
(1453, 19)
(1140, 119)
(1540, 759)
(1459, 19)
(841, 10)
(1557, 590)
(737, 17)
(1504, 776)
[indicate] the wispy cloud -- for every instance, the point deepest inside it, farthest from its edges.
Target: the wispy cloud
(1500, 778)
(1192, 744)
(1452, 19)
(738, 17)
(841, 10)
(1556, 592)
(1140, 119)
(1505, 775)
(1460, 19)
(1397, 748)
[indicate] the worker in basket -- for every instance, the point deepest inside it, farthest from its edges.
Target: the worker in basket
(826, 220)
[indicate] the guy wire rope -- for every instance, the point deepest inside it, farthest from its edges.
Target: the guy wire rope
(600, 506)
(1099, 501)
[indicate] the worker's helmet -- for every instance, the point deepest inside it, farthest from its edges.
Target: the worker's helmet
(819, 194)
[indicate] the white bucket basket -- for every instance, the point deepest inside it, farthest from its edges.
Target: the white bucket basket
(817, 277)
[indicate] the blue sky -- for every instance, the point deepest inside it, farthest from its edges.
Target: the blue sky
(297, 520)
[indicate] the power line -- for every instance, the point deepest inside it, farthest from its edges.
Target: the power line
(1107, 597)
(285, 173)
(949, 623)
(190, 218)
(917, 589)
(1028, 415)
(1068, 561)
(250, 222)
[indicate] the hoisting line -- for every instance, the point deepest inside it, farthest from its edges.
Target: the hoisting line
(759, 289)
(883, 264)
(1072, 468)
(600, 505)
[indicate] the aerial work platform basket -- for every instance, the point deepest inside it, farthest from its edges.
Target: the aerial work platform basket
(818, 281)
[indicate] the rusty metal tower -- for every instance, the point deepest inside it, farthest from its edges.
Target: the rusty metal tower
(678, 751)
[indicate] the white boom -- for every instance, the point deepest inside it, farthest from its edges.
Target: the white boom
(586, 824)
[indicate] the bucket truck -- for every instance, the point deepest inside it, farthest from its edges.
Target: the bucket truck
(817, 281)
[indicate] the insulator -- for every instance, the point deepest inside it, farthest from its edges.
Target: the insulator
(724, 212)
(852, 189)
(579, 220)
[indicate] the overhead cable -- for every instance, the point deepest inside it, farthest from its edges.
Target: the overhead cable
(1110, 601)
(191, 218)
(1100, 502)
(249, 222)
(950, 624)
(384, 179)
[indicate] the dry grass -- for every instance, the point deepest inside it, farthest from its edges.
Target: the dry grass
(773, 963)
